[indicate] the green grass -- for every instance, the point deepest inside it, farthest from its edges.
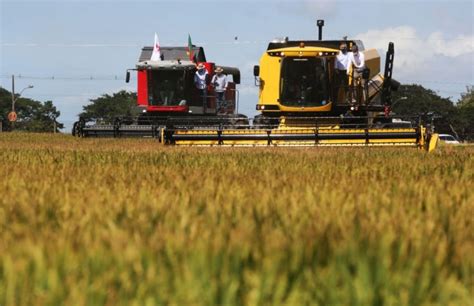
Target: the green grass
(132, 222)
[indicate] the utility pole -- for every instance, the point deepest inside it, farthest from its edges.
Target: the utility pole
(12, 122)
(12, 116)
(13, 92)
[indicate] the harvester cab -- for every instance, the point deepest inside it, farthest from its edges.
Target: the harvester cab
(166, 87)
(299, 77)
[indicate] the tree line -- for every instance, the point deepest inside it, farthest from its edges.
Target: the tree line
(32, 115)
(450, 117)
(410, 100)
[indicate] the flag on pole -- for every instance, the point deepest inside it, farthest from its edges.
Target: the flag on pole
(156, 55)
(190, 49)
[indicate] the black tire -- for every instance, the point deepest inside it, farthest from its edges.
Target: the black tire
(76, 129)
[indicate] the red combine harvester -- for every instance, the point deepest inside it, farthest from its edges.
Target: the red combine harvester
(167, 95)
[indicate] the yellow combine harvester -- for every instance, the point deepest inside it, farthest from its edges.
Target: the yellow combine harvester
(303, 103)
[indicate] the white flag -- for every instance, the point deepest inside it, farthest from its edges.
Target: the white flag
(156, 55)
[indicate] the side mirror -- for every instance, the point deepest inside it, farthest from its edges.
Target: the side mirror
(236, 77)
(127, 77)
(366, 73)
(256, 70)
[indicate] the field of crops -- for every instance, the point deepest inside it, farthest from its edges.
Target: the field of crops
(132, 222)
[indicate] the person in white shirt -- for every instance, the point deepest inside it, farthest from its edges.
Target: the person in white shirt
(200, 80)
(357, 61)
(341, 66)
(219, 81)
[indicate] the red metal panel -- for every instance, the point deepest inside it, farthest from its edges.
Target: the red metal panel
(178, 109)
(142, 87)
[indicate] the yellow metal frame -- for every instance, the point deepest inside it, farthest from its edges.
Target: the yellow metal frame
(263, 142)
(305, 51)
(434, 141)
(421, 139)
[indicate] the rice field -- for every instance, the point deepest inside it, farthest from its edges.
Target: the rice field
(133, 222)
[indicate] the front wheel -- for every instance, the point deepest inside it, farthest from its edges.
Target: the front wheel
(74, 129)
(77, 128)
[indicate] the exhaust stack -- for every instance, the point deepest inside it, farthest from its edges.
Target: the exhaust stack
(320, 24)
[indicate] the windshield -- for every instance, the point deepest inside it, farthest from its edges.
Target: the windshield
(447, 137)
(303, 82)
(167, 88)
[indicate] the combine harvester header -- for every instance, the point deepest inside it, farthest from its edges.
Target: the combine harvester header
(302, 136)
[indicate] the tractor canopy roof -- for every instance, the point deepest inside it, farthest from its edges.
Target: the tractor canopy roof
(331, 44)
(166, 64)
(173, 53)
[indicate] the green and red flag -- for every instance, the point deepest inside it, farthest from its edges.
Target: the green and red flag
(190, 49)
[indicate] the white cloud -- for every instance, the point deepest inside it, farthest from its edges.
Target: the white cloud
(415, 54)
(407, 51)
(452, 47)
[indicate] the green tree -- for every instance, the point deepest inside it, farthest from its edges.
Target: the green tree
(32, 115)
(465, 108)
(420, 100)
(108, 107)
(45, 119)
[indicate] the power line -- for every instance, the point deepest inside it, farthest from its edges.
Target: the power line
(126, 45)
(121, 78)
(74, 95)
(242, 86)
(202, 43)
(69, 78)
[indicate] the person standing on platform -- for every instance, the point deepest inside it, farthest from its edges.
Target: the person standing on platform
(219, 81)
(200, 80)
(342, 64)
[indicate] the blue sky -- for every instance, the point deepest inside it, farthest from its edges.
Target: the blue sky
(87, 45)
